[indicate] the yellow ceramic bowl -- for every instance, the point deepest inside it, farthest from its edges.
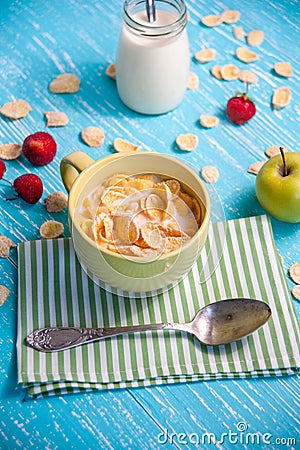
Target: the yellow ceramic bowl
(81, 175)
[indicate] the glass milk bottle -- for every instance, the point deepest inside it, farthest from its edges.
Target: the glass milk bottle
(152, 64)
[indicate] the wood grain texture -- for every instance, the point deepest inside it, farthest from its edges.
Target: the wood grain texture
(39, 40)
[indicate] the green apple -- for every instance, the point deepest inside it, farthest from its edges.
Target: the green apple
(278, 186)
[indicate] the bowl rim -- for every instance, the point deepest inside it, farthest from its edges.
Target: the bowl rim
(173, 253)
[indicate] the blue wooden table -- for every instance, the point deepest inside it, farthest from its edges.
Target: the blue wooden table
(39, 40)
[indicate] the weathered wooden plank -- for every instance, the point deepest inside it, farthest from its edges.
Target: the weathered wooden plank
(212, 412)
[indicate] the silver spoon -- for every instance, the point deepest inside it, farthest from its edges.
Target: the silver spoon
(216, 324)
(151, 10)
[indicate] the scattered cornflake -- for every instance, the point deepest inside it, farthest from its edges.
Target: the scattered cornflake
(4, 293)
(229, 72)
(205, 55)
(66, 83)
(246, 55)
(5, 246)
(281, 259)
(246, 76)
(216, 72)
(208, 121)
(210, 174)
(281, 97)
(294, 272)
(211, 21)
(56, 202)
(238, 32)
(230, 16)
(296, 292)
(122, 146)
(274, 150)
(10, 151)
(193, 81)
(51, 229)
(56, 119)
(187, 142)
(255, 38)
(15, 110)
(284, 69)
(111, 71)
(92, 136)
(255, 167)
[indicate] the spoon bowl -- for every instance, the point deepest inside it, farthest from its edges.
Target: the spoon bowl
(229, 320)
(216, 324)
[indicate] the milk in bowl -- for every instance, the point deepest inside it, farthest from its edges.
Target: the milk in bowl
(141, 231)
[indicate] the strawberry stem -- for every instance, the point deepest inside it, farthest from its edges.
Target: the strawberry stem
(13, 198)
(7, 181)
(285, 172)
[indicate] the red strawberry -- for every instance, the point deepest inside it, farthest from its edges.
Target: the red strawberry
(39, 148)
(2, 168)
(240, 108)
(29, 187)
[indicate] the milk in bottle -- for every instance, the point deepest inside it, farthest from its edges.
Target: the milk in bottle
(152, 64)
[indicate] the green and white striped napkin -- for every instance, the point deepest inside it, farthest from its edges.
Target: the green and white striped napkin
(243, 262)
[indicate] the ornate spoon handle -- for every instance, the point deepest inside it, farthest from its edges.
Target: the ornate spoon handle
(53, 339)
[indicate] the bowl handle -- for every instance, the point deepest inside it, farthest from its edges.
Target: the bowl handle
(71, 166)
